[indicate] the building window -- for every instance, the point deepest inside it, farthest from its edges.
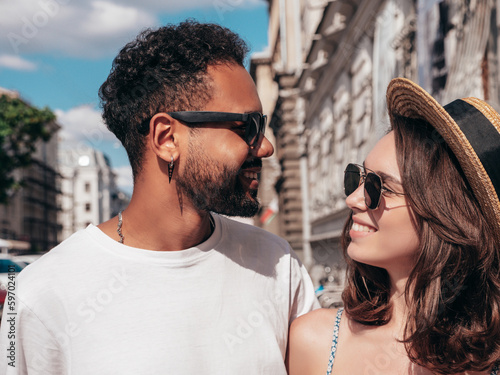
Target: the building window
(87, 187)
(87, 207)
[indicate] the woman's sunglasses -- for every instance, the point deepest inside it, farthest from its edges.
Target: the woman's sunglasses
(255, 122)
(354, 175)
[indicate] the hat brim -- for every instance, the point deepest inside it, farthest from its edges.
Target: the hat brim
(405, 98)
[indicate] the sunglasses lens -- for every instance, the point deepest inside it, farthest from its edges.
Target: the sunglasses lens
(373, 190)
(254, 128)
(352, 175)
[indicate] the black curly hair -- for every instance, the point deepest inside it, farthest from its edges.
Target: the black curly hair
(163, 70)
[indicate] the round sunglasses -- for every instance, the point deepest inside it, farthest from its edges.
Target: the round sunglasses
(355, 175)
(254, 123)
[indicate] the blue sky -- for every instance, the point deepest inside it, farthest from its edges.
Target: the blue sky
(57, 53)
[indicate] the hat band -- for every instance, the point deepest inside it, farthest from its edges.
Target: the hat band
(482, 136)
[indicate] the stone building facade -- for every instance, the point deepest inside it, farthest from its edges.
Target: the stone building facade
(332, 75)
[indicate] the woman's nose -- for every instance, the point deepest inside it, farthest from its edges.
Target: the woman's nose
(356, 200)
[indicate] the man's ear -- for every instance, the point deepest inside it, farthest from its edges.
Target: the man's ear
(163, 136)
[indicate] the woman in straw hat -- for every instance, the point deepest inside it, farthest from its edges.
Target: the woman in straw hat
(422, 246)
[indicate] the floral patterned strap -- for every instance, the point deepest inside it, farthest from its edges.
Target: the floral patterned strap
(335, 340)
(495, 369)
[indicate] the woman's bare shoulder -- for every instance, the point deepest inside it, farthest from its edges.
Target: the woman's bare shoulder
(314, 323)
(310, 341)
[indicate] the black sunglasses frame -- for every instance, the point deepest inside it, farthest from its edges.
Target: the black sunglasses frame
(255, 122)
(374, 185)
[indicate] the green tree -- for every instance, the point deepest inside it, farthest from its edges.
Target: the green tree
(21, 126)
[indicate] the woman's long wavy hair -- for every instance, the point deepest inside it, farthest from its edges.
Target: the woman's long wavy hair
(453, 291)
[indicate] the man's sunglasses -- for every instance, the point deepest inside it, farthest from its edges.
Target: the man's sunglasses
(354, 175)
(255, 122)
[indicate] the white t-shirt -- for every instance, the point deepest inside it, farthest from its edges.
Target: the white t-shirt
(94, 306)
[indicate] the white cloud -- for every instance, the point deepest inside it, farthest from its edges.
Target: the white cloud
(176, 6)
(16, 63)
(83, 124)
(106, 18)
(89, 28)
(79, 29)
(124, 178)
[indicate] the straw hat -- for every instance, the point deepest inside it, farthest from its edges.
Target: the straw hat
(471, 128)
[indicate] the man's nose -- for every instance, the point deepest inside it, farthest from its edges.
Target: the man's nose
(263, 148)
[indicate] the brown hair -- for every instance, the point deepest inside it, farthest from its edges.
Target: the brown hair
(453, 291)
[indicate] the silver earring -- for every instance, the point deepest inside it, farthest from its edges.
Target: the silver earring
(170, 169)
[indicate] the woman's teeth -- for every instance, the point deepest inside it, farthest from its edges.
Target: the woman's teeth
(362, 228)
(250, 175)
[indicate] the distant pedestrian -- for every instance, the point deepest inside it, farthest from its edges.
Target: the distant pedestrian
(170, 286)
(422, 247)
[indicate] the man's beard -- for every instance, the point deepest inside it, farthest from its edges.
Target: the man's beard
(212, 186)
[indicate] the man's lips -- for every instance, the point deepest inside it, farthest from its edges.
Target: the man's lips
(249, 172)
(252, 173)
(250, 177)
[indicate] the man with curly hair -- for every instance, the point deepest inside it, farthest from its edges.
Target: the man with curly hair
(170, 286)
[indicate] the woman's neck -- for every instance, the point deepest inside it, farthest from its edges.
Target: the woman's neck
(399, 304)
